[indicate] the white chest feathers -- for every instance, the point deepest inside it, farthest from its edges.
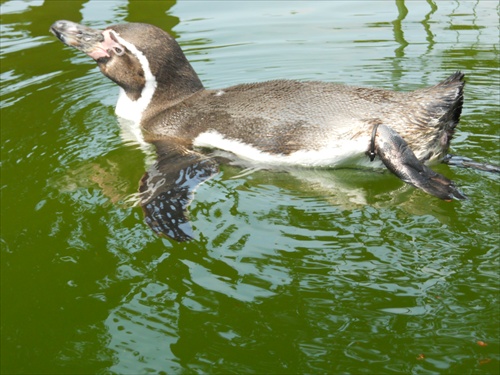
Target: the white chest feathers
(128, 109)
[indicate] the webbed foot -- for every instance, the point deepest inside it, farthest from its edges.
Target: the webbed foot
(397, 156)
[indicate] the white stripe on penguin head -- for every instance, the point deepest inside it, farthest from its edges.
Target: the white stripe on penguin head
(125, 107)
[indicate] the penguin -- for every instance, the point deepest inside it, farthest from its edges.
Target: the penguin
(273, 124)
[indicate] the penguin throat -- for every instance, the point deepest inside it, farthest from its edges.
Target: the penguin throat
(135, 94)
(129, 108)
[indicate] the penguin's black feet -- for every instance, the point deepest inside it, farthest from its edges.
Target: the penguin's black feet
(397, 156)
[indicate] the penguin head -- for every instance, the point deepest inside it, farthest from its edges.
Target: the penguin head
(136, 56)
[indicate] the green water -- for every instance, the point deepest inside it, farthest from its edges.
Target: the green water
(343, 272)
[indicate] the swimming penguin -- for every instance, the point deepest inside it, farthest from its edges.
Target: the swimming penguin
(273, 124)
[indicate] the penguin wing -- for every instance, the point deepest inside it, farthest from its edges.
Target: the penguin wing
(167, 188)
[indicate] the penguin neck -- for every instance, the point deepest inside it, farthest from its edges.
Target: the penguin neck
(155, 98)
(131, 106)
(167, 97)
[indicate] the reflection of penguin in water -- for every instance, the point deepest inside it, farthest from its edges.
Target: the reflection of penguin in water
(272, 124)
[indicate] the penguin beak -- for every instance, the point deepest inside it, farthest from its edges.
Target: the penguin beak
(83, 38)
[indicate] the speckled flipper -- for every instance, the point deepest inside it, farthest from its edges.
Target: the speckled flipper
(397, 156)
(167, 188)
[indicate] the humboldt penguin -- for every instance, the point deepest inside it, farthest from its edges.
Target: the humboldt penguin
(273, 124)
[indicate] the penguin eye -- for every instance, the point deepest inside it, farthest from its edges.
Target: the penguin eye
(119, 51)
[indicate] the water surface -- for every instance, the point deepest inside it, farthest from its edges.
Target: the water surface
(311, 271)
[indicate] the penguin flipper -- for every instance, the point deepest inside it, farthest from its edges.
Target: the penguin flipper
(167, 188)
(397, 156)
